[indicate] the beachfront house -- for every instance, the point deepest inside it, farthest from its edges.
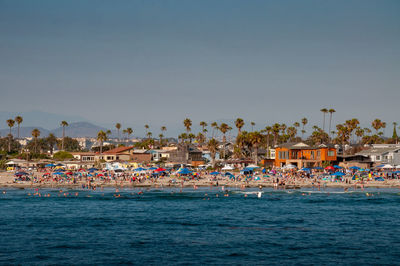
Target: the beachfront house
(117, 154)
(186, 154)
(302, 155)
(84, 156)
(382, 154)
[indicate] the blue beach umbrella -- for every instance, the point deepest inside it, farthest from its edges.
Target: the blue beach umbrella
(338, 174)
(139, 169)
(50, 165)
(93, 169)
(355, 168)
(58, 173)
(153, 168)
(184, 171)
(305, 169)
(214, 173)
(318, 168)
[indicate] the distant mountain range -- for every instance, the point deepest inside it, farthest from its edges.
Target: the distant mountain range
(74, 130)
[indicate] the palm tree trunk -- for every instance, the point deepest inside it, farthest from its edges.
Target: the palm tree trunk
(268, 146)
(9, 141)
(330, 123)
(18, 131)
(63, 136)
(256, 154)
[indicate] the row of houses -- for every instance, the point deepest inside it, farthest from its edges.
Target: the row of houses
(180, 154)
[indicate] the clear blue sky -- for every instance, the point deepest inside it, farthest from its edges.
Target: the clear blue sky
(158, 62)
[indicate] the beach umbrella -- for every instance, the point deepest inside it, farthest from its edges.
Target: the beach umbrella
(337, 167)
(215, 173)
(338, 174)
(398, 166)
(184, 171)
(139, 169)
(58, 173)
(318, 168)
(227, 167)
(93, 169)
(305, 169)
(59, 164)
(228, 174)
(290, 166)
(160, 170)
(264, 171)
(253, 166)
(379, 178)
(387, 166)
(152, 168)
(69, 173)
(380, 166)
(355, 168)
(329, 168)
(50, 165)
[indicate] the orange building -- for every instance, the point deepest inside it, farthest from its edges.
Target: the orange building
(303, 155)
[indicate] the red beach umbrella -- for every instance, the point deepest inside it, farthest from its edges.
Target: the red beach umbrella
(329, 168)
(160, 170)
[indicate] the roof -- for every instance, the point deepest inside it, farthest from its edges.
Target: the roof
(118, 150)
(303, 146)
(83, 153)
(377, 151)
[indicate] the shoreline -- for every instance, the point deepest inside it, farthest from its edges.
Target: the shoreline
(196, 184)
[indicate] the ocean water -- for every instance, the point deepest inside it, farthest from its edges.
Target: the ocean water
(195, 227)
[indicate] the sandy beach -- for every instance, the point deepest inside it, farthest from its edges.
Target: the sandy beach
(7, 181)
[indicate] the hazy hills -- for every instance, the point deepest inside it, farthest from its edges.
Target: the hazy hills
(74, 130)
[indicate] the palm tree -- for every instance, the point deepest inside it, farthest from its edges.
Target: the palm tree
(118, 127)
(239, 123)
(35, 135)
(10, 124)
(63, 124)
(256, 139)
(203, 125)
(291, 132)
(324, 111)
(359, 133)
(163, 129)
(394, 136)
(212, 146)
(377, 124)
(201, 139)
(188, 124)
(331, 111)
(224, 128)
(149, 135)
(19, 120)
(268, 130)
(214, 125)
(191, 136)
(275, 131)
(304, 121)
(51, 141)
(160, 136)
(129, 131)
(123, 134)
(252, 125)
(296, 125)
(146, 127)
(101, 137)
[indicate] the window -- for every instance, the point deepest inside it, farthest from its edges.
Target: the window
(331, 153)
(378, 158)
